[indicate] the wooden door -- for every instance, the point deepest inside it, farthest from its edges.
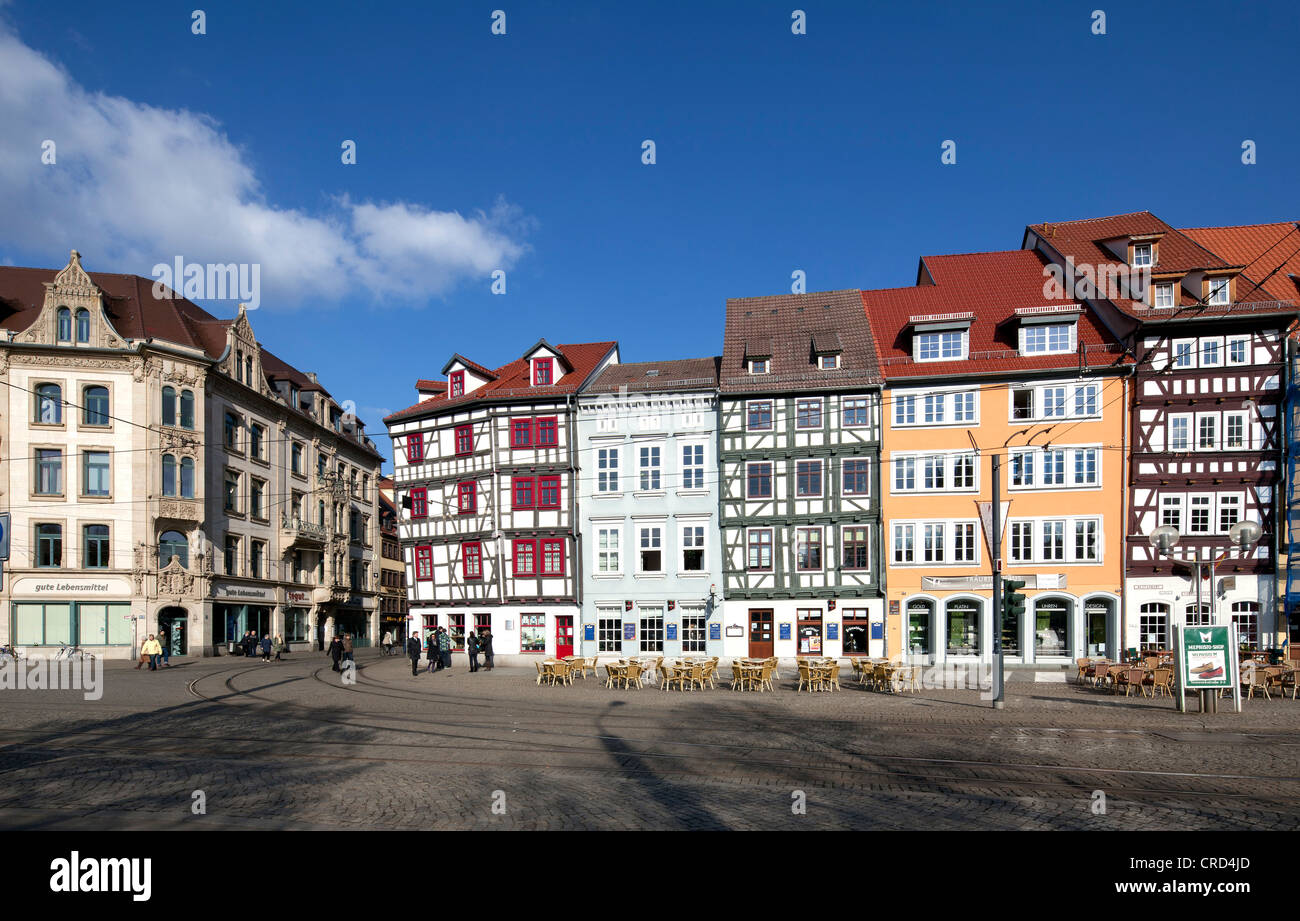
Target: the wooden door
(563, 636)
(760, 633)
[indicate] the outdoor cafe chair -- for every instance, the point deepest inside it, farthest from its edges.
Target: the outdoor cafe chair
(1100, 674)
(737, 675)
(1083, 665)
(805, 677)
(669, 674)
(632, 673)
(1128, 678)
(613, 675)
(541, 672)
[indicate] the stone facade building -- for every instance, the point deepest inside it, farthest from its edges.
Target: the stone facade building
(165, 473)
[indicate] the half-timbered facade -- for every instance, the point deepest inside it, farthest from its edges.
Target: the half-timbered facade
(800, 474)
(977, 365)
(1205, 411)
(648, 499)
(485, 472)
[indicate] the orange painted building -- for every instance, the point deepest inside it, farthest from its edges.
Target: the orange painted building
(978, 360)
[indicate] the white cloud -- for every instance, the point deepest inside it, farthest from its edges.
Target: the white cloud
(137, 185)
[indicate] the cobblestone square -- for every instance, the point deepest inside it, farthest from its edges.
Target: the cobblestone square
(289, 745)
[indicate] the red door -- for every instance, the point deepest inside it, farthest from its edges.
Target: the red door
(563, 636)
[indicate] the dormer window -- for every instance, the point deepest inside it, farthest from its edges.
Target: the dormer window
(543, 371)
(1217, 291)
(1047, 338)
(1141, 255)
(828, 362)
(943, 345)
(759, 366)
(1164, 295)
(457, 383)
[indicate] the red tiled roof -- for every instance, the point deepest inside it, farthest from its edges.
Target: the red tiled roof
(1259, 247)
(513, 382)
(647, 376)
(786, 327)
(426, 385)
(1081, 241)
(992, 286)
(472, 365)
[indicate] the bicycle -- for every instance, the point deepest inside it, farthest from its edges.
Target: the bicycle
(9, 653)
(73, 652)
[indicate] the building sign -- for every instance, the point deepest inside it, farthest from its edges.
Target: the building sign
(953, 583)
(297, 598)
(1208, 658)
(589, 633)
(671, 631)
(629, 630)
(29, 585)
(735, 630)
(784, 630)
(832, 631)
(243, 593)
(986, 521)
(715, 631)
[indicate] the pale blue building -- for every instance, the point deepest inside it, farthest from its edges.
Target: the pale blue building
(649, 545)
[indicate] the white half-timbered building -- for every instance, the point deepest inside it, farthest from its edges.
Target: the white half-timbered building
(484, 470)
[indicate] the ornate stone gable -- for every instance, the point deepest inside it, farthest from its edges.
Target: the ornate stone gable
(73, 289)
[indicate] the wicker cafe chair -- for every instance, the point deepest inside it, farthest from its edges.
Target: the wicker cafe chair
(1128, 678)
(613, 675)
(1100, 674)
(668, 674)
(833, 678)
(711, 672)
(541, 672)
(1287, 681)
(737, 675)
(1083, 665)
(1162, 680)
(805, 677)
(1256, 679)
(766, 673)
(695, 676)
(880, 677)
(632, 673)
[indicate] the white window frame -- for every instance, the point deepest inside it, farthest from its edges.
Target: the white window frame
(821, 414)
(1206, 343)
(1234, 499)
(771, 425)
(903, 464)
(614, 550)
(1176, 502)
(1211, 512)
(642, 530)
(904, 409)
(772, 480)
(1164, 287)
(958, 399)
(1083, 395)
(760, 365)
(1141, 249)
(821, 547)
(834, 362)
(701, 468)
(1216, 286)
(1175, 353)
(1244, 418)
(1189, 435)
(844, 482)
(903, 542)
(1244, 342)
(963, 340)
(938, 546)
(1202, 418)
(608, 479)
(1071, 338)
(643, 466)
(703, 546)
(934, 409)
(971, 529)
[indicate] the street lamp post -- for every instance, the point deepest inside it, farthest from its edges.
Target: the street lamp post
(1243, 534)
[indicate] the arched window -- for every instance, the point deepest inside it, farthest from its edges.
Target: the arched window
(168, 475)
(173, 544)
(187, 478)
(169, 406)
(248, 370)
(920, 627)
(187, 409)
(1194, 618)
(49, 404)
(83, 325)
(1153, 625)
(1052, 626)
(65, 324)
(94, 406)
(963, 626)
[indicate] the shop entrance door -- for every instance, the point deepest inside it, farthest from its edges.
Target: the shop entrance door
(172, 623)
(760, 633)
(563, 636)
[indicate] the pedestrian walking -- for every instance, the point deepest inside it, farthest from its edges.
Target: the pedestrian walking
(250, 641)
(266, 647)
(165, 642)
(431, 650)
(444, 648)
(387, 642)
(485, 641)
(347, 647)
(413, 653)
(471, 648)
(336, 652)
(152, 649)
(279, 646)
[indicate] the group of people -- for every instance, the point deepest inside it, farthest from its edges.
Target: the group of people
(437, 648)
(250, 645)
(340, 650)
(154, 649)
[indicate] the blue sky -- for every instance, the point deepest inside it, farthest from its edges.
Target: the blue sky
(775, 152)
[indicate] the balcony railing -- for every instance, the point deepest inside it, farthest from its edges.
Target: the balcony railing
(300, 527)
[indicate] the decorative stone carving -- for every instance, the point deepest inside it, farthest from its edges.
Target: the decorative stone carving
(69, 361)
(173, 579)
(178, 442)
(179, 509)
(73, 280)
(139, 568)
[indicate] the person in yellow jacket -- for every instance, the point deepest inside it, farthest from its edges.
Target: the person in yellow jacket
(153, 649)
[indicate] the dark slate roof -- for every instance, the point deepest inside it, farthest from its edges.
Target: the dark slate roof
(791, 322)
(658, 376)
